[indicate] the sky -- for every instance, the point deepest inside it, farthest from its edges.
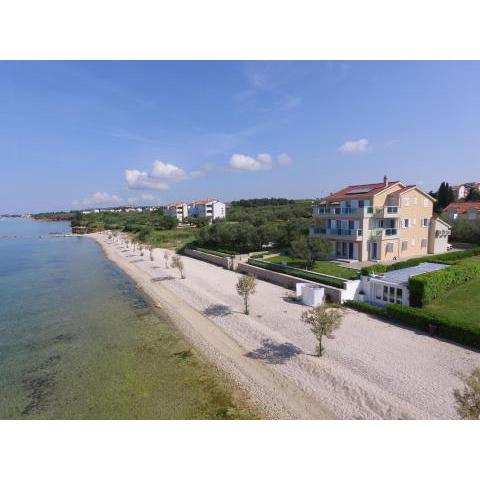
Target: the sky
(77, 135)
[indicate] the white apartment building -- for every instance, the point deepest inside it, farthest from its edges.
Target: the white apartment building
(179, 210)
(207, 208)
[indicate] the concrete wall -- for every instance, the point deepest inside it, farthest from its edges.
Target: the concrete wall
(337, 295)
(438, 236)
(224, 262)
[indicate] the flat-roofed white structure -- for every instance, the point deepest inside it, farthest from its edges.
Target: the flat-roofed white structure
(392, 287)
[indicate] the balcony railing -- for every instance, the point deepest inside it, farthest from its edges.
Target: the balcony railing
(385, 232)
(389, 211)
(351, 233)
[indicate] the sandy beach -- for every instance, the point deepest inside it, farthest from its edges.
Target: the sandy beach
(371, 370)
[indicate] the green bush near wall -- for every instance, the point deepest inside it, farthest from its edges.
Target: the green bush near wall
(377, 268)
(314, 277)
(427, 286)
(448, 258)
(464, 332)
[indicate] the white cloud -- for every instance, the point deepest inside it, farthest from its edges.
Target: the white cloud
(263, 161)
(167, 171)
(137, 180)
(284, 159)
(101, 198)
(354, 146)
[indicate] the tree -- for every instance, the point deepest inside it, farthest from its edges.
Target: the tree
(445, 196)
(473, 195)
(177, 263)
(246, 286)
(166, 257)
(323, 321)
(310, 249)
(468, 400)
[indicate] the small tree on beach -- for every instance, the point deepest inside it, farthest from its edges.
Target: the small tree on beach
(468, 400)
(177, 263)
(166, 257)
(246, 286)
(323, 320)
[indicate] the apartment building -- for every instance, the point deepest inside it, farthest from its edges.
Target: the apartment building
(179, 210)
(198, 208)
(207, 208)
(380, 221)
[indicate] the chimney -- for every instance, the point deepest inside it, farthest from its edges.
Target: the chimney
(385, 180)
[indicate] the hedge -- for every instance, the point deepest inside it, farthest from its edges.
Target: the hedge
(315, 277)
(464, 332)
(377, 268)
(448, 258)
(366, 307)
(427, 286)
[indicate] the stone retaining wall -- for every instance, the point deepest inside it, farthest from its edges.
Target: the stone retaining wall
(337, 295)
(224, 262)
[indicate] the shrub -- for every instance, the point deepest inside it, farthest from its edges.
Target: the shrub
(426, 287)
(448, 258)
(366, 307)
(465, 332)
(377, 268)
(315, 277)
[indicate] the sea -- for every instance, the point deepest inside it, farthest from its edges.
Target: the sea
(78, 340)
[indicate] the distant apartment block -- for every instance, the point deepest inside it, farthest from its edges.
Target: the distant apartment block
(198, 208)
(461, 191)
(179, 210)
(466, 210)
(380, 221)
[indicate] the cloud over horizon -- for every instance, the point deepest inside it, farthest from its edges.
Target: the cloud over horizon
(100, 198)
(158, 178)
(262, 162)
(354, 146)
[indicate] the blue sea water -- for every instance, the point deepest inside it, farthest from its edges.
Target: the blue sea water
(78, 340)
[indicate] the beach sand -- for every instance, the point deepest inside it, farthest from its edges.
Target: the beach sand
(371, 370)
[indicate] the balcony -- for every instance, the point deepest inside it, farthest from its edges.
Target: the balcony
(392, 211)
(353, 234)
(384, 233)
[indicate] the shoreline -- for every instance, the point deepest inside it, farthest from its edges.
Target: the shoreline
(273, 395)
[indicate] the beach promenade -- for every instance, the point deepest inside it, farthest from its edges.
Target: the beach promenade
(372, 370)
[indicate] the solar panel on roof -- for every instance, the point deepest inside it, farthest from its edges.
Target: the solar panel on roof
(358, 190)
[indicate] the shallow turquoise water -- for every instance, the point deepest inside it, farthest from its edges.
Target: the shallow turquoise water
(77, 340)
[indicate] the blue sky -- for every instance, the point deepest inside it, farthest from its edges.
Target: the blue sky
(85, 134)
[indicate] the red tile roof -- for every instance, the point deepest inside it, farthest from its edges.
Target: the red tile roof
(354, 191)
(463, 207)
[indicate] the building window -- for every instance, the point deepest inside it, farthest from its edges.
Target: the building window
(404, 245)
(406, 222)
(415, 200)
(385, 293)
(389, 247)
(406, 202)
(424, 243)
(426, 222)
(426, 203)
(413, 242)
(399, 295)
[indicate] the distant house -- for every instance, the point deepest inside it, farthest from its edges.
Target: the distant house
(467, 210)
(380, 221)
(461, 191)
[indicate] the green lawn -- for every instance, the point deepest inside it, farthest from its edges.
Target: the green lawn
(321, 266)
(462, 302)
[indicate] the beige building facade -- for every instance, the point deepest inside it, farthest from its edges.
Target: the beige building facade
(379, 221)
